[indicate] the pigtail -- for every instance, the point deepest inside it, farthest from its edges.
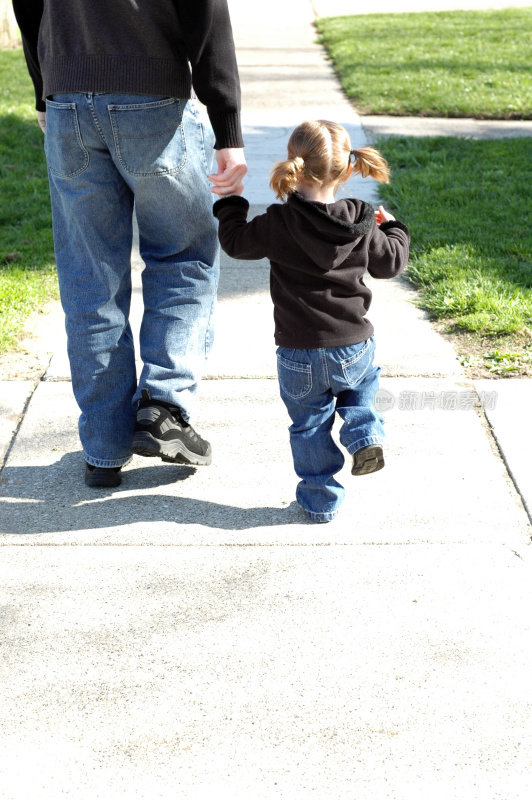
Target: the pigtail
(370, 163)
(286, 175)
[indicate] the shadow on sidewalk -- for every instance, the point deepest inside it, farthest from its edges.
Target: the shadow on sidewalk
(54, 499)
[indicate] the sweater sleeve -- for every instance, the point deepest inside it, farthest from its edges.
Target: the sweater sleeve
(389, 250)
(208, 38)
(28, 14)
(238, 237)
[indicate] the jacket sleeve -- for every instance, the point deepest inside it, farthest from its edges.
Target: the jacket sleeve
(238, 237)
(389, 250)
(208, 37)
(28, 14)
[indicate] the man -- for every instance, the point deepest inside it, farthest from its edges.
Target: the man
(113, 84)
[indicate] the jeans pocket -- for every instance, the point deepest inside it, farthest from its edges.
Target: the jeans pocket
(66, 154)
(355, 366)
(149, 137)
(295, 379)
(203, 127)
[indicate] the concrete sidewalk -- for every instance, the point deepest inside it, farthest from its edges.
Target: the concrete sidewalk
(190, 635)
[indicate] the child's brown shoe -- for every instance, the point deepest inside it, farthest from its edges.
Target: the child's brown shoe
(367, 460)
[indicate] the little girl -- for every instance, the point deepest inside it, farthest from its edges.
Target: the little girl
(319, 250)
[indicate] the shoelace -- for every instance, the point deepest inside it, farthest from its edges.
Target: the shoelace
(175, 412)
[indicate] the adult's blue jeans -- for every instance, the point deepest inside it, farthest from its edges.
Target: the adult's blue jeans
(315, 385)
(108, 154)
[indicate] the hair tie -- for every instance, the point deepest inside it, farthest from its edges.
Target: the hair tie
(352, 156)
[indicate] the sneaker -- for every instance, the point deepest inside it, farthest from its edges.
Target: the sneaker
(102, 477)
(368, 459)
(161, 431)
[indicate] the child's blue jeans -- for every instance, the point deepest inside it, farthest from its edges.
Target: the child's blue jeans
(314, 385)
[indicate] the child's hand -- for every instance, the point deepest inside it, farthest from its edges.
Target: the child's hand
(383, 216)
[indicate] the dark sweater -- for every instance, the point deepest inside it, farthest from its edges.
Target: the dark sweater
(135, 47)
(318, 254)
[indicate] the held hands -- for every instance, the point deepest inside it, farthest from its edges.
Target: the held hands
(383, 216)
(231, 170)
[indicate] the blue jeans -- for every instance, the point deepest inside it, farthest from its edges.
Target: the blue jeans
(314, 385)
(108, 154)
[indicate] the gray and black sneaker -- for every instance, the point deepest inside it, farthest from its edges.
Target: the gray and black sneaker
(367, 460)
(161, 431)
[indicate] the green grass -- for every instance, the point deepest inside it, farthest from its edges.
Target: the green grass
(498, 363)
(465, 203)
(451, 64)
(27, 272)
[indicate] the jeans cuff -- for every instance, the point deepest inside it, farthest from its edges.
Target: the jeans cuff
(352, 448)
(107, 463)
(316, 516)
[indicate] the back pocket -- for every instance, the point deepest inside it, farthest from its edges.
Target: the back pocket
(295, 379)
(149, 137)
(66, 154)
(356, 365)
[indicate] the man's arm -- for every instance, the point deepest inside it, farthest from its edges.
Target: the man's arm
(28, 14)
(208, 37)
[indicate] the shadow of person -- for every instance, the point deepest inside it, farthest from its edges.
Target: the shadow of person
(48, 499)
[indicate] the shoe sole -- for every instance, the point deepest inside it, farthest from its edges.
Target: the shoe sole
(96, 480)
(367, 460)
(173, 452)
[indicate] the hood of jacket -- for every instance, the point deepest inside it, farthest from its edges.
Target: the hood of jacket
(328, 232)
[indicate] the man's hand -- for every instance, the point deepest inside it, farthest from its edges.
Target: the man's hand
(231, 170)
(41, 119)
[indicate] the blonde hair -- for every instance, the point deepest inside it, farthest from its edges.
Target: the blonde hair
(320, 152)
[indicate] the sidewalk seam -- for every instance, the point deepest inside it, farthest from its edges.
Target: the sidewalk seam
(221, 545)
(18, 426)
(492, 438)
